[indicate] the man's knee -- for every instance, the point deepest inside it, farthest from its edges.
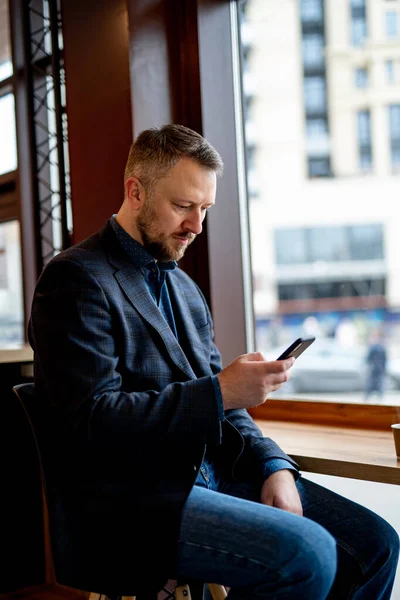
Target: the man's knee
(314, 561)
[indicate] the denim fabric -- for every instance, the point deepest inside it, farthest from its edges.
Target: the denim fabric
(338, 550)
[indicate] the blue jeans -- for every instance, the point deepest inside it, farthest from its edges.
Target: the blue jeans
(338, 549)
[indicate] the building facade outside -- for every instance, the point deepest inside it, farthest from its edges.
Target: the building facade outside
(322, 121)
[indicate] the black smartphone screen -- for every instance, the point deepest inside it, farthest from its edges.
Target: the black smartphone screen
(297, 347)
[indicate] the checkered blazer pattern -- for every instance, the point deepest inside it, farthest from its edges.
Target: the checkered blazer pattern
(129, 412)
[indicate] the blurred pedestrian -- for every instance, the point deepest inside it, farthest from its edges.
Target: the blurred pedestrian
(376, 367)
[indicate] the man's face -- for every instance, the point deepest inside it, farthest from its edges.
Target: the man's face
(172, 215)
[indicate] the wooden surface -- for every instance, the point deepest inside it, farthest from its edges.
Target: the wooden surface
(16, 355)
(344, 452)
(359, 416)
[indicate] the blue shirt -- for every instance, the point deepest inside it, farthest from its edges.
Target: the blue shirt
(154, 273)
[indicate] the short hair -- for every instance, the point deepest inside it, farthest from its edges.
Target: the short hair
(158, 149)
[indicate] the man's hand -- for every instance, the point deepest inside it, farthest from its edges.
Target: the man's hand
(248, 380)
(280, 490)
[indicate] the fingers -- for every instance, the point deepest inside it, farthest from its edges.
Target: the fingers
(275, 366)
(272, 366)
(253, 357)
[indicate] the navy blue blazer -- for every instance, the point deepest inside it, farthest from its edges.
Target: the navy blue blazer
(129, 412)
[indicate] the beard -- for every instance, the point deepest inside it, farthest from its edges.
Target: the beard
(162, 247)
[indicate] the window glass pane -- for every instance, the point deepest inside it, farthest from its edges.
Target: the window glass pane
(389, 66)
(5, 49)
(8, 143)
(324, 223)
(11, 300)
(394, 129)
(391, 18)
(316, 128)
(313, 49)
(366, 242)
(290, 246)
(311, 10)
(361, 77)
(358, 31)
(314, 94)
(328, 244)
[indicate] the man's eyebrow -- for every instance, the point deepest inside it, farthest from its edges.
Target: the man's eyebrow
(191, 202)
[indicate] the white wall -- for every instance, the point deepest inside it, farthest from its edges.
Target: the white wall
(382, 498)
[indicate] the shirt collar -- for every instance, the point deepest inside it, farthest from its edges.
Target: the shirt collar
(136, 252)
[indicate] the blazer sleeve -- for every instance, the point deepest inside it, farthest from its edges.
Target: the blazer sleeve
(75, 342)
(257, 449)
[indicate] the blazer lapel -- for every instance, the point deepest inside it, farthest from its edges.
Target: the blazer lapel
(195, 347)
(136, 290)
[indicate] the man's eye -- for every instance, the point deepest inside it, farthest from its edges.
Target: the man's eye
(180, 206)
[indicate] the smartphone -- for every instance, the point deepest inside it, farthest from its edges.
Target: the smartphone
(297, 347)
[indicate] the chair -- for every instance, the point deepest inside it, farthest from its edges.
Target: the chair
(25, 394)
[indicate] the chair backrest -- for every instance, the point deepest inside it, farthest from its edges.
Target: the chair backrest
(25, 392)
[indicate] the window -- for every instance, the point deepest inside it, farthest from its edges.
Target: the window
(321, 243)
(391, 24)
(11, 293)
(290, 246)
(389, 68)
(311, 11)
(358, 22)
(394, 129)
(331, 289)
(318, 166)
(316, 128)
(366, 242)
(358, 31)
(329, 244)
(361, 77)
(313, 51)
(364, 139)
(314, 95)
(8, 148)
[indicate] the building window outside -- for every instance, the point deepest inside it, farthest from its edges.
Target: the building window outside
(318, 166)
(290, 246)
(332, 289)
(394, 129)
(391, 24)
(316, 128)
(358, 31)
(313, 50)
(329, 244)
(358, 22)
(311, 11)
(315, 94)
(364, 139)
(361, 77)
(389, 68)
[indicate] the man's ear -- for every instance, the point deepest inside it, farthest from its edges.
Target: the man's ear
(134, 193)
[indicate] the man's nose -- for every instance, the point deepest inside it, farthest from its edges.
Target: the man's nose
(194, 223)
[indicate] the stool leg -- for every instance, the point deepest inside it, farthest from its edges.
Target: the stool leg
(218, 592)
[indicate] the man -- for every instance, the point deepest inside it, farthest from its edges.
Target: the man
(156, 468)
(376, 360)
